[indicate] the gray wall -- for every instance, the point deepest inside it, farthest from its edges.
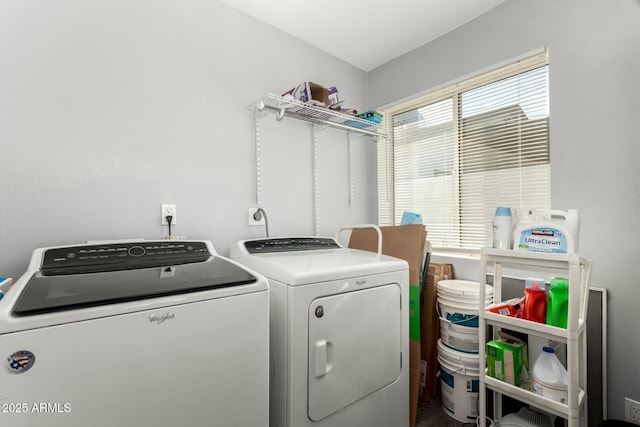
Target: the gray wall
(594, 50)
(110, 108)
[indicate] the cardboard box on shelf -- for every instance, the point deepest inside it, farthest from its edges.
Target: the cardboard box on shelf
(506, 358)
(332, 96)
(373, 116)
(430, 328)
(307, 91)
(404, 242)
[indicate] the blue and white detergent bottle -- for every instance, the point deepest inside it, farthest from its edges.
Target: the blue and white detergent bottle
(5, 284)
(552, 231)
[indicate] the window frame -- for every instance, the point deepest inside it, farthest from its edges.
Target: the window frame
(453, 90)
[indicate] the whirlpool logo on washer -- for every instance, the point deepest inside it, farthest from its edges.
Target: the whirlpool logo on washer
(161, 318)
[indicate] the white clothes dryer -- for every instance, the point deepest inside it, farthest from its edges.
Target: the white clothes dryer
(137, 333)
(339, 332)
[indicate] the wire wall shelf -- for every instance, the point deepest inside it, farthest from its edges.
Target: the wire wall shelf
(288, 107)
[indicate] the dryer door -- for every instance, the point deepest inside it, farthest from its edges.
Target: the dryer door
(354, 347)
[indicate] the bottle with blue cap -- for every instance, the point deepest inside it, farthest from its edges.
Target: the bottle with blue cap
(502, 228)
(5, 284)
(2, 279)
(550, 378)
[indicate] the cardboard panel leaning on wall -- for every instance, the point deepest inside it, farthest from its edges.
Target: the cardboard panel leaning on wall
(404, 242)
(430, 328)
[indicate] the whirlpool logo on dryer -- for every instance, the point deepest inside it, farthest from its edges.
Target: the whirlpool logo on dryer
(160, 318)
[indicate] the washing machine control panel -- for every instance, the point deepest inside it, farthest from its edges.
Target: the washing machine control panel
(121, 256)
(289, 244)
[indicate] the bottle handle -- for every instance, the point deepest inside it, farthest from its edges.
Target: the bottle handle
(550, 214)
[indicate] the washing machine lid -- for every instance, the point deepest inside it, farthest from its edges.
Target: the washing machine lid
(93, 275)
(308, 265)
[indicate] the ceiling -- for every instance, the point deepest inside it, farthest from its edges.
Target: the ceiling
(365, 33)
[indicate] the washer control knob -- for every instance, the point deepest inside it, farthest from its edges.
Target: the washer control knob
(136, 251)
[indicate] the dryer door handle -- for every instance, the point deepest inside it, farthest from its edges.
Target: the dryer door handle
(323, 355)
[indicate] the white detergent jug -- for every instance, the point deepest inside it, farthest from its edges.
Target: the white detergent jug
(549, 376)
(552, 231)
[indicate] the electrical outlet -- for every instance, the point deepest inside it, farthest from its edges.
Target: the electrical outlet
(252, 220)
(632, 411)
(168, 209)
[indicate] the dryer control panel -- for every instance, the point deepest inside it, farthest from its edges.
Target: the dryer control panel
(289, 244)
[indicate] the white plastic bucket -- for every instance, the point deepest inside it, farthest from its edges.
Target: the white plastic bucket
(459, 383)
(459, 303)
(462, 290)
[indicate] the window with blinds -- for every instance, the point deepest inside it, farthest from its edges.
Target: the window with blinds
(456, 154)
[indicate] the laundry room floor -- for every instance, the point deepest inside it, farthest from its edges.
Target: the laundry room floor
(431, 414)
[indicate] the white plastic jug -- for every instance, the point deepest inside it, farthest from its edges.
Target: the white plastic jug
(570, 220)
(553, 231)
(549, 376)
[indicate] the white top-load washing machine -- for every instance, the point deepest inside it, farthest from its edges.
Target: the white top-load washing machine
(339, 332)
(137, 333)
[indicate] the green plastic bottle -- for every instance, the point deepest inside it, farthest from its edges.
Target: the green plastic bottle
(558, 302)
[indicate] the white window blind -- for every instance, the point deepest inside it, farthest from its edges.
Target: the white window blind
(456, 154)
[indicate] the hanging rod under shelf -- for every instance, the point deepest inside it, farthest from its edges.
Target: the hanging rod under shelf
(281, 107)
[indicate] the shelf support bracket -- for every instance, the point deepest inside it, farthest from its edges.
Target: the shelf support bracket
(316, 180)
(360, 135)
(351, 171)
(257, 156)
(259, 110)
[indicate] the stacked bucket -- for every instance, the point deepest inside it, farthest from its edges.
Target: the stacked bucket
(458, 305)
